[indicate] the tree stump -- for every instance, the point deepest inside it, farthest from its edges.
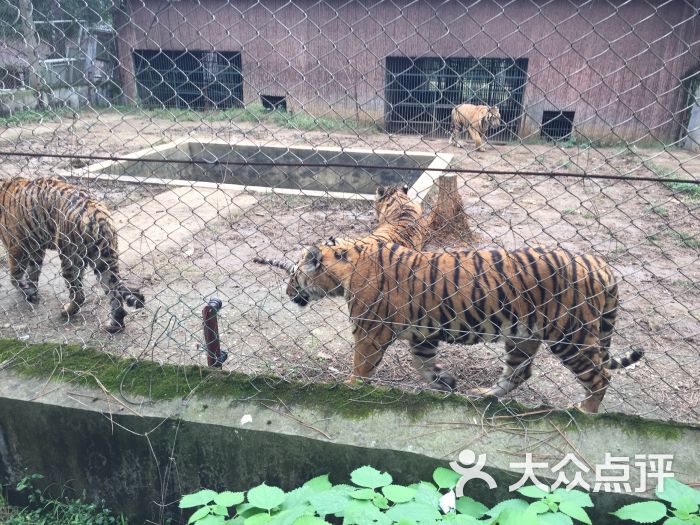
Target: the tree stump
(448, 219)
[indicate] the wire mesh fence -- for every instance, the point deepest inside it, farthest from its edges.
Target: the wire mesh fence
(215, 133)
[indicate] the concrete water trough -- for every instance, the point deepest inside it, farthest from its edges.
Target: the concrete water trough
(297, 170)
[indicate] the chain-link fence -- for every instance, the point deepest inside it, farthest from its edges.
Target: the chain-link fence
(218, 132)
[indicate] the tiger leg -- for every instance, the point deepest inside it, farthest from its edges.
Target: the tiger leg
(585, 359)
(112, 285)
(425, 361)
(36, 260)
(476, 137)
(516, 370)
(72, 271)
(18, 261)
(368, 353)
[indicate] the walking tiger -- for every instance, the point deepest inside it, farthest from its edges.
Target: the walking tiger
(48, 213)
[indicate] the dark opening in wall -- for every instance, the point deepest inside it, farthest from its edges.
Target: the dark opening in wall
(420, 92)
(189, 79)
(557, 125)
(271, 102)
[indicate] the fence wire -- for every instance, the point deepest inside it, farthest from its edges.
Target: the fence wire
(216, 133)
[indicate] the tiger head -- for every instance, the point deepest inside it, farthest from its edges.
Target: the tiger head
(323, 271)
(493, 117)
(391, 201)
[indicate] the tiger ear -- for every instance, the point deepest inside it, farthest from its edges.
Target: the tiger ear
(311, 258)
(381, 190)
(405, 188)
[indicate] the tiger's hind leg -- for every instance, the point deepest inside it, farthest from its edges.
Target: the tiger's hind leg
(425, 361)
(585, 359)
(72, 270)
(516, 370)
(19, 261)
(36, 260)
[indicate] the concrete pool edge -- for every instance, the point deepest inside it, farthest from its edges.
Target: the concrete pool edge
(418, 191)
(433, 434)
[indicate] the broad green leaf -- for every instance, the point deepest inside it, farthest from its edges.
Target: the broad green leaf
(197, 499)
(555, 518)
(446, 478)
(398, 493)
(266, 497)
(289, 516)
(685, 504)
(219, 510)
(517, 504)
(297, 497)
(539, 507)
(380, 502)
(576, 512)
(531, 491)
(310, 520)
(332, 501)
(365, 494)
(363, 513)
(676, 521)
(426, 493)
(513, 516)
(238, 520)
(212, 520)
(229, 499)
(471, 507)
(578, 497)
(406, 521)
(370, 477)
(681, 514)
(319, 483)
(420, 512)
(460, 519)
(674, 490)
(258, 519)
(246, 509)
(204, 511)
(644, 512)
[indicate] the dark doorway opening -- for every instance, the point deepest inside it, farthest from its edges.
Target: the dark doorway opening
(271, 102)
(189, 79)
(421, 92)
(557, 125)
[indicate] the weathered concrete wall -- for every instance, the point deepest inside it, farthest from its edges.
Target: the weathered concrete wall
(25, 99)
(142, 456)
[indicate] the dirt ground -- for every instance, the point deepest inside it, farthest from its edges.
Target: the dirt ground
(649, 232)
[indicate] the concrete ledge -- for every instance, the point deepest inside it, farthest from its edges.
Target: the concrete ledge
(136, 452)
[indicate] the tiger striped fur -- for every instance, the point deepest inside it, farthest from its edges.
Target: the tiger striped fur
(48, 213)
(400, 218)
(525, 297)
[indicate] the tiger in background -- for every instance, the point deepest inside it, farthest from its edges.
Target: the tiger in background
(48, 213)
(400, 218)
(525, 297)
(475, 120)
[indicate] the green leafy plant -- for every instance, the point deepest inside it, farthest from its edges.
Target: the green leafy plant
(683, 504)
(43, 510)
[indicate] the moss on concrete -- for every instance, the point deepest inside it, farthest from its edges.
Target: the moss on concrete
(92, 368)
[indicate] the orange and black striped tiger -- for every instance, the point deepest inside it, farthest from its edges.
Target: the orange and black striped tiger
(526, 297)
(400, 218)
(48, 213)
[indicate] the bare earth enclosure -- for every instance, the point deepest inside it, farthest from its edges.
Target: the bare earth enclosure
(185, 244)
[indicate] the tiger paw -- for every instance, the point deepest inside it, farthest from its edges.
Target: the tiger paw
(478, 392)
(114, 327)
(31, 294)
(444, 381)
(70, 309)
